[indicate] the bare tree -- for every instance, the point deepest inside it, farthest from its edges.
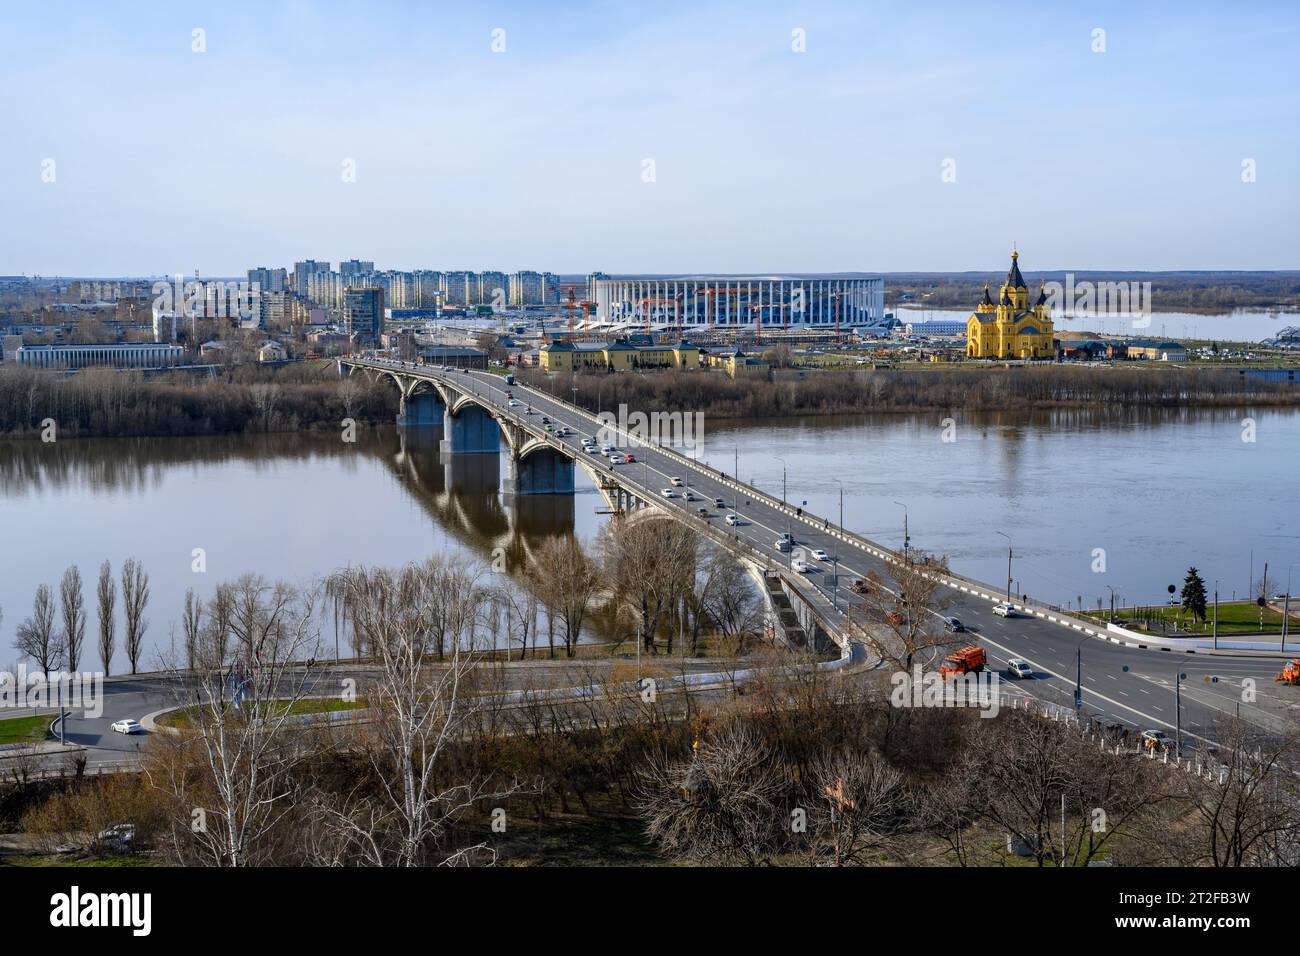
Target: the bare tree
(73, 606)
(37, 636)
(135, 598)
(901, 623)
(228, 777)
(192, 621)
(721, 805)
(421, 710)
(727, 598)
(567, 580)
(1248, 813)
(106, 593)
(862, 800)
(651, 563)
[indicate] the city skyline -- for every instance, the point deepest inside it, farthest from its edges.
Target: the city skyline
(687, 139)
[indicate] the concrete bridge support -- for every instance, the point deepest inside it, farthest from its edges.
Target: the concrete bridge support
(421, 409)
(472, 430)
(543, 471)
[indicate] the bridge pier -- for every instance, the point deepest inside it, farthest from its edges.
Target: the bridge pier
(472, 430)
(422, 409)
(543, 471)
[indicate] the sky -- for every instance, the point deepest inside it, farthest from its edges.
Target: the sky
(649, 137)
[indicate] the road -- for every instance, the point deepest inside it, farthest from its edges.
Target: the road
(1119, 683)
(1128, 685)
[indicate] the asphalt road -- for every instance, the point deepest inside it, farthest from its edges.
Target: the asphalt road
(1123, 684)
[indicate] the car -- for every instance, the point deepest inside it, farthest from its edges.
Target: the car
(860, 586)
(691, 496)
(702, 512)
(820, 555)
(1155, 740)
(802, 566)
(719, 503)
(1004, 610)
(677, 482)
(514, 403)
(783, 544)
(616, 459)
(1017, 668)
(953, 625)
(629, 459)
(733, 519)
(606, 448)
(548, 428)
(668, 493)
(127, 725)
(119, 838)
(545, 420)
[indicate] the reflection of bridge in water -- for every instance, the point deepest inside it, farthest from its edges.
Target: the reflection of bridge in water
(462, 494)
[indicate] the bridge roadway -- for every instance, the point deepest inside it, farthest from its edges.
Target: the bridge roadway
(1127, 684)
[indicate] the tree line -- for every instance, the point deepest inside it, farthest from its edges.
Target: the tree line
(105, 402)
(900, 390)
(53, 637)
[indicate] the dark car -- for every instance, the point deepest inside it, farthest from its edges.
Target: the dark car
(954, 625)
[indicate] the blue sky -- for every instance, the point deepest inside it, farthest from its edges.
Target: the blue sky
(764, 159)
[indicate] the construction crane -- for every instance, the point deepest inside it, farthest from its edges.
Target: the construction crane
(572, 302)
(677, 312)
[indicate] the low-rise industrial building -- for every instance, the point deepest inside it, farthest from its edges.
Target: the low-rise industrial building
(620, 355)
(118, 355)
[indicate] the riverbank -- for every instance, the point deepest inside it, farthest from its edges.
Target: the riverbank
(995, 388)
(241, 400)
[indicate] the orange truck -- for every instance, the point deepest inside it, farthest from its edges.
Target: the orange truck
(967, 660)
(1290, 673)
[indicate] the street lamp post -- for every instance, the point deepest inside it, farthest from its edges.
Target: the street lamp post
(1112, 601)
(835, 583)
(784, 506)
(1286, 606)
(575, 405)
(1216, 615)
(1008, 537)
(841, 484)
(907, 540)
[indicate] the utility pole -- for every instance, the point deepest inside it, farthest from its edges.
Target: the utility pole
(1008, 537)
(906, 538)
(1216, 615)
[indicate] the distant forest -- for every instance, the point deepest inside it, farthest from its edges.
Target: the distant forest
(1203, 292)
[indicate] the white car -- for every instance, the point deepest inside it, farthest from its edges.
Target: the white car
(1004, 610)
(1019, 668)
(820, 555)
(802, 566)
(677, 482)
(606, 448)
(733, 519)
(616, 459)
(668, 493)
(514, 403)
(127, 726)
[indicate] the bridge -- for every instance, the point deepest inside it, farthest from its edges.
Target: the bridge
(1125, 678)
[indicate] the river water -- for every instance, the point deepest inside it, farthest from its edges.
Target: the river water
(1156, 491)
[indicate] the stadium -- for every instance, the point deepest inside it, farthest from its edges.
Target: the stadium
(823, 303)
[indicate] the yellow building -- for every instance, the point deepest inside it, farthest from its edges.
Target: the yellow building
(1010, 328)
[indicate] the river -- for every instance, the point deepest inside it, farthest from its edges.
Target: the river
(1154, 490)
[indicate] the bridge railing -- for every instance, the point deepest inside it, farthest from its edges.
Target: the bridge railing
(963, 583)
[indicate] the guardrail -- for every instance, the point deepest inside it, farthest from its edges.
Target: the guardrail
(823, 524)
